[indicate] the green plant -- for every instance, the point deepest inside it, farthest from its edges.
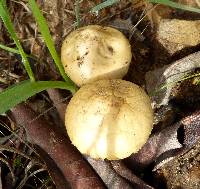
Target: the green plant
(8, 24)
(108, 3)
(15, 51)
(176, 5)
(103, 5)
(22, 91)
(25, 89)
(47, 38)
(164, 86)
(77, 13)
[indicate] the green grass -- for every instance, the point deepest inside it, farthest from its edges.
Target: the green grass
(164, 2)
(104, 5)
(14, 51)
(42, 24)
(22, 91)
(176, 5)
(77, 13)
(4, 14)
(164, 86)
(9, 49)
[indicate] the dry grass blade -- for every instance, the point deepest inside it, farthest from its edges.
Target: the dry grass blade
(14, 150)
(28, 175)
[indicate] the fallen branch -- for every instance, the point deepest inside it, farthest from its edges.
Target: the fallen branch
(72, 165)
(122, 170)
(111, 179)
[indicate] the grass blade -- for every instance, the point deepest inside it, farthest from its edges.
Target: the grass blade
(14, 51)
(104, 5)
(176, 5)
(13, 95)
(77, 12)
(47, 38)
(9, 26)
(172, 83)
(9, 49)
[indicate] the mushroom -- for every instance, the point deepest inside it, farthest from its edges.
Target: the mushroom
(109, 119)
(95, 52)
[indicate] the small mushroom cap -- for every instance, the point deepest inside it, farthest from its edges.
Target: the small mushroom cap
(109, 119)
(95, 52)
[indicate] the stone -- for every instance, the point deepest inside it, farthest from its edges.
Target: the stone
(175, 35)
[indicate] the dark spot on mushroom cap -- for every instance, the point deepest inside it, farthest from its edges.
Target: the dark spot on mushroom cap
(80, 63)
(78, 58)
(110, 49)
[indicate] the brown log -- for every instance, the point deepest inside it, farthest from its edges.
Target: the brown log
(55, 143)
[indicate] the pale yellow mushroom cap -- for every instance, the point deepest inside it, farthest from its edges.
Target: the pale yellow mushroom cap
(109, 119)
(95, 52)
